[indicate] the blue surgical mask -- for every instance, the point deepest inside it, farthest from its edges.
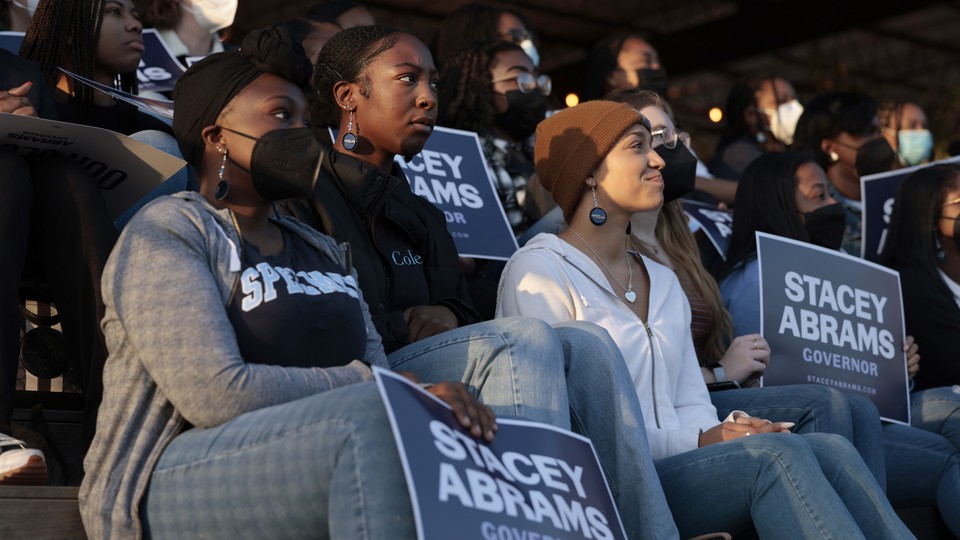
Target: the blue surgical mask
(915, 145)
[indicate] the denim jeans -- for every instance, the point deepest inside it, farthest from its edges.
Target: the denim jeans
(923, 469)
(571, 376)
(324, 466)
(181, 180)
(786, 485)
(938, 410)
(815, 409)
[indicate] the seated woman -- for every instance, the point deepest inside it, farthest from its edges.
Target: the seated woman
(108, 50)
(597, 162)
(787, 194)
(258, 372)
(905, 127)
(924, 246)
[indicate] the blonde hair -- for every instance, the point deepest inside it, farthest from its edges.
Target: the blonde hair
(677, 241)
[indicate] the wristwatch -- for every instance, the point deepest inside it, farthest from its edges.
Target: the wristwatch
(719, 374)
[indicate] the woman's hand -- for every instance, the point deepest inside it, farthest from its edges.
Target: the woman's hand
(746, 359)
(14, 101)
(743, 426)
(472, 415)
(913, 356)
(426, 321)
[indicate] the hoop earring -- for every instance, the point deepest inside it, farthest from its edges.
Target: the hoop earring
(349, 140)
(598, 216)
(940, 254)
(223, 187)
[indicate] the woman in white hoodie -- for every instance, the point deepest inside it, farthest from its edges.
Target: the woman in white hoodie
(597, 161)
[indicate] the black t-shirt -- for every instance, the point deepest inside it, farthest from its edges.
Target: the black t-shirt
(298, 308)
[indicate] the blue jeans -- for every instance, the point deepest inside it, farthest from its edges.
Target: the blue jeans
(181, 180)
(570, 376)
(786, 485)
(324, 466)
(937, 410)
(923, 469)
(815, 409)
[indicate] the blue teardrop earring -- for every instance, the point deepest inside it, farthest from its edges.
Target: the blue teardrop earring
(223, 187)
(349, 139)
(940, 254)
(598, 216)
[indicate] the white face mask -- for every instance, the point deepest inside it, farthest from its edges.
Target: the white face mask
(30, 6)
(783, 120)
(213, 15)
(531, 50)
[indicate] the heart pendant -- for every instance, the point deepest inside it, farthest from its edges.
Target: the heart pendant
(630, 296)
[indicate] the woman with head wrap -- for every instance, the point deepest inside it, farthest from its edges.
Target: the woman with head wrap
(597, 161)
(228, 413)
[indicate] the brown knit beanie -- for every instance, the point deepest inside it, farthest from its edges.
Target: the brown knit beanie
(571, 144)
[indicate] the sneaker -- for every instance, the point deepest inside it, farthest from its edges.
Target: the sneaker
(19, 464)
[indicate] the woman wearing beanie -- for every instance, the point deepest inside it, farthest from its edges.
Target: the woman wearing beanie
(226, 412)
(597, 161)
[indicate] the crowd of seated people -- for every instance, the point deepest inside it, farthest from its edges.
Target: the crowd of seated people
(606, 322)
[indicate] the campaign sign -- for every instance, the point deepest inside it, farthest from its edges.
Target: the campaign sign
(160, 107)
(534, 481)
(877, 192)
(11, 41)
(716, 223)
(452, 173)
(125, 169)
(834, 319)
(159, 69)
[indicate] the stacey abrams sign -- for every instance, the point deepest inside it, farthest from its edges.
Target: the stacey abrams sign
(534, 482)
(833, 319)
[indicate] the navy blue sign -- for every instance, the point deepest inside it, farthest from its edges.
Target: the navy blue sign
(533, 482)
(11, 41)
(878, 191)
(451, 172)
(834, 319)
(717, 224)
(159, 70)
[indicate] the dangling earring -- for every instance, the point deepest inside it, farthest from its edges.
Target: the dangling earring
(598, 216)
(834, 157)
(223, 187)
(940, 254)
(349, 140)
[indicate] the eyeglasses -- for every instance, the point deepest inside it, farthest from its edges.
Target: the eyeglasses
(517, 35)
(955, 201)
(527, 83)
(669, 137)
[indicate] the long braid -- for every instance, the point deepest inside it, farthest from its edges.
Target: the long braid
(65, 33)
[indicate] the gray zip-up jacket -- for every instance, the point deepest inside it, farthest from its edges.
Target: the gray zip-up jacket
(173, 353)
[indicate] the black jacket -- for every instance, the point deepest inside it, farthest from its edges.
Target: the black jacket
(352, 200)
(933, 319)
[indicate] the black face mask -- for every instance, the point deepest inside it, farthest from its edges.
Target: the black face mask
(285, 163)
(826, 226)
(524, 112)
(680, 172)
(874, 157)
(653, 79)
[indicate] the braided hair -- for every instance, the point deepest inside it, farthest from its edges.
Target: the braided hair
(345, 58)
(466, 86)
(65, 33)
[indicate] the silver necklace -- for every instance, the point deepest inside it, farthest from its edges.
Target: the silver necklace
(629, 295)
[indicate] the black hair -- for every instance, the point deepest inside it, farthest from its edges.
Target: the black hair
(468, 24)
(830, 114)
(766, 201)
(159, 14)
(4, 16)
(915, 224)
(601, 61)
(466, 86)
(62, 29)
(299, 29)
(344, 58)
